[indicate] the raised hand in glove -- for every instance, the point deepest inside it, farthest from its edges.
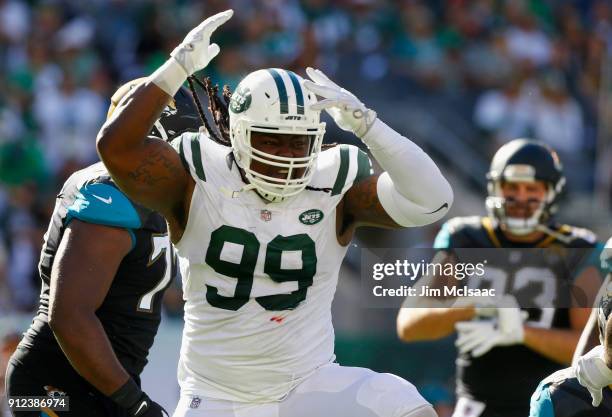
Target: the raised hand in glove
(348, 112)
(192, 55)
(593, 373)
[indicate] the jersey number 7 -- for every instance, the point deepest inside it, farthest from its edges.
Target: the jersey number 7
(161, 246)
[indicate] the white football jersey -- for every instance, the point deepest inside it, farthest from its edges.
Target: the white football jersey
(258, 277)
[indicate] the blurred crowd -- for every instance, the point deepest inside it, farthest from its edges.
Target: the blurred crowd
(538, 68)
(527, 68)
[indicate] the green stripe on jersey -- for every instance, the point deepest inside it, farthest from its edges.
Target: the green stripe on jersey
(282, 91)
(181, 152)
(298, 92)
(196, 156)
(364, 167)
(342, 171)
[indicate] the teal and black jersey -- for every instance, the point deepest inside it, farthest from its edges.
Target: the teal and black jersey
(131, 311)
(560, 395)
(515, 268)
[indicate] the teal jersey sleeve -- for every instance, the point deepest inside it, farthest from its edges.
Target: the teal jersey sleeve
(541, 403)
(591, 259)
(443, 238)
(103, 204)
(605, 258)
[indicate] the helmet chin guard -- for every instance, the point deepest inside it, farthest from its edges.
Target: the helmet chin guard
(274, 101)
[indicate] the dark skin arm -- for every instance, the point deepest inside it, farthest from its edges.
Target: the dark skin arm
(148, 170)
(361, 207)
(82, 273)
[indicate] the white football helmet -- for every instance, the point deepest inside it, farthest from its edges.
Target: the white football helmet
(274, 101)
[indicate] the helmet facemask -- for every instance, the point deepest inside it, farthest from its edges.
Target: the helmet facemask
(274, 102)
(499, 207)
(272, 188)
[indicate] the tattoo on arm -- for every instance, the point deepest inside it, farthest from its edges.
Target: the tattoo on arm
(366, 199)
(156, 178)
(147, 171)
(362, 206)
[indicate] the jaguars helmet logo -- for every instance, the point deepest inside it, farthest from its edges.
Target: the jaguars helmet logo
(54, 392)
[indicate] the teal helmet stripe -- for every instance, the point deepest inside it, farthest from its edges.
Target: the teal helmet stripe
(282, 91)
(298, 92)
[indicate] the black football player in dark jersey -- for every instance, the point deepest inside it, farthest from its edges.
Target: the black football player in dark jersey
(505, 352)
(563, 395)
(105, 264)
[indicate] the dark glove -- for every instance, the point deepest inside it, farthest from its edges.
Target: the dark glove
(138, 404)
(145, 407)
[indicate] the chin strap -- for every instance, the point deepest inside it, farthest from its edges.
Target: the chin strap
(559, 236)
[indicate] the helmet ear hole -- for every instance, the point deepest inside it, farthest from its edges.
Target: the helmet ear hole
(267, 95)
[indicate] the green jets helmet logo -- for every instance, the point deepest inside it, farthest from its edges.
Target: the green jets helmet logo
(241, 100)
(310, 217)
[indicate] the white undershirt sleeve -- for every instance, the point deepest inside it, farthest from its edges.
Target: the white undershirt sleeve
(412, 190)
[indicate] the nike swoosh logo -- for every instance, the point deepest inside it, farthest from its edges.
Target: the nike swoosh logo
(104, 200)
(143, 406)
(443, 206)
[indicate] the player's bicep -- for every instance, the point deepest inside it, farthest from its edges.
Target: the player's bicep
(362, 206)
(151, 174)
(85, 265)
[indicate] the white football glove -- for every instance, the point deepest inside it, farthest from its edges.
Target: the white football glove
(348, 112)
(192, 55)
(479, 337)
(593, 373)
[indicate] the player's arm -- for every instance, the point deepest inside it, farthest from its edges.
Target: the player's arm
(429, 318)
(589, 338)
(149, 170)
(82, 273)
(426, 318)
(416, 324)
(560, 344)
(590, 335)
(411, 192)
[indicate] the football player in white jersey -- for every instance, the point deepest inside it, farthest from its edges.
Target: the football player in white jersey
(261, 228)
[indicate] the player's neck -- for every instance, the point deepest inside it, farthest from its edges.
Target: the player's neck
(528, 238)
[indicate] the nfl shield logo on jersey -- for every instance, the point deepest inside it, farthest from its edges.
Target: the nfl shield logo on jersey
(195, 402)
(266, 215)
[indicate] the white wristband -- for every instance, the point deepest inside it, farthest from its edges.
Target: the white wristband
(169, 77)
